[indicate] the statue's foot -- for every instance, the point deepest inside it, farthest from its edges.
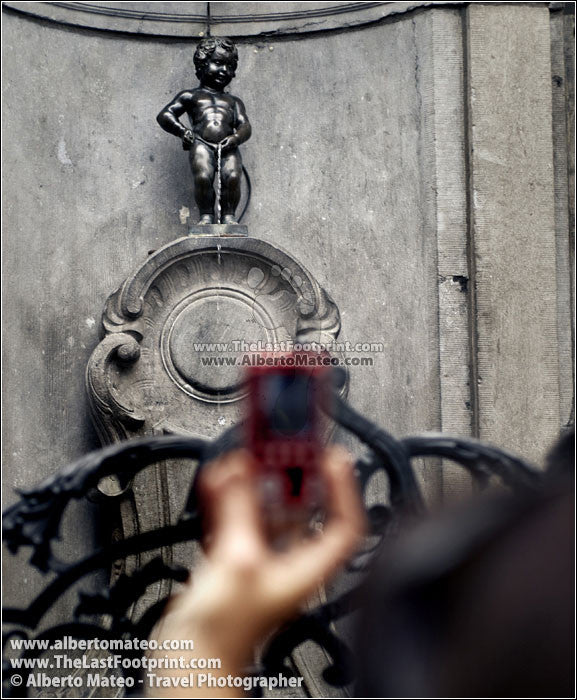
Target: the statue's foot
(229, 219)
(206, 219)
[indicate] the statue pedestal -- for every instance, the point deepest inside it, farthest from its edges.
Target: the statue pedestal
(226, 230)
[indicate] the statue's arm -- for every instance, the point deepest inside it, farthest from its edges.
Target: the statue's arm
(243, 129)
(168, 117)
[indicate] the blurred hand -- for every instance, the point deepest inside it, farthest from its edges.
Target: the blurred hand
(245, 588)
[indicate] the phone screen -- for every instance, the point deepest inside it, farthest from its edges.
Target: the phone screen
(286, 402)
(284, 427)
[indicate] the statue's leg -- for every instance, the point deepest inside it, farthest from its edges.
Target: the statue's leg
(203, 164)
(231, 171)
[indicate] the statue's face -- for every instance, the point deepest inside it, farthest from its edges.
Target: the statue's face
(218, 71)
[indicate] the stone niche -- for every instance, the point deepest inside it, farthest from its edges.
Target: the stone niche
(414, 156)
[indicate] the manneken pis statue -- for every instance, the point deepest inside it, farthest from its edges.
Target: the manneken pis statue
(219, 125)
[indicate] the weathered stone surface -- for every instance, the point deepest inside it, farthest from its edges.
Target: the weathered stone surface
(441, 76)
(513, 227)
(563, 117)
(258, 20)
(360, 169)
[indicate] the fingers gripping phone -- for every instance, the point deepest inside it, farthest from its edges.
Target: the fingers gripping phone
(284, 436)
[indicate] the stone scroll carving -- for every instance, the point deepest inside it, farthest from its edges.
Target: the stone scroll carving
(177, 329)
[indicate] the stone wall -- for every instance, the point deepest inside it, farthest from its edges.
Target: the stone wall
(417, 162)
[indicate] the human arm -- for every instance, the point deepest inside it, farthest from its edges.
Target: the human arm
(169, 117)
(245, 588)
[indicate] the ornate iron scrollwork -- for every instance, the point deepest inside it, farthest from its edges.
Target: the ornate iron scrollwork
(35, 519)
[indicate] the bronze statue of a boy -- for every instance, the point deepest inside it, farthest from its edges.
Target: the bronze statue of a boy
(217, 119)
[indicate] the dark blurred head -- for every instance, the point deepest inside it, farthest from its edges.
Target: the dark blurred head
(479, 602)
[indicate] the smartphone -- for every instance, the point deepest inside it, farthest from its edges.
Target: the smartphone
(284, 434)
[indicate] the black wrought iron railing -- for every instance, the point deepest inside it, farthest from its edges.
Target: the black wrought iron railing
(33, 522)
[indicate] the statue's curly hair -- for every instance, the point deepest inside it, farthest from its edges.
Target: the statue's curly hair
(207, 47)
